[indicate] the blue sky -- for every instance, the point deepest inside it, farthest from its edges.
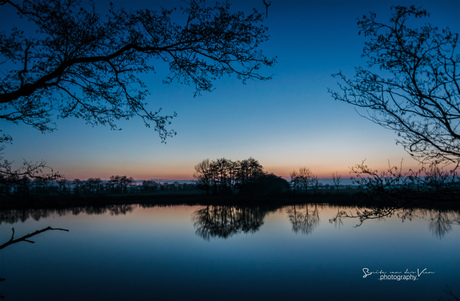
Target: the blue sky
(288, 122)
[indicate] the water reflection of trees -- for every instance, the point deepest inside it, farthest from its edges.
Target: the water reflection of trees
(304, 218)
(226, 221)
(440, 222)
(16, 215)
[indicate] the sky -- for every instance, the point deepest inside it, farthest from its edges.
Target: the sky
(288, 122)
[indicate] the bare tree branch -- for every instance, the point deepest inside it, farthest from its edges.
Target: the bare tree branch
(26, 237)
(81, 64)
(415, 91)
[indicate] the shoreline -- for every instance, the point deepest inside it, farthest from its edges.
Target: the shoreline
(341, 198)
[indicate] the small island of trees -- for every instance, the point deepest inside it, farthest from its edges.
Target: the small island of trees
(223, 176)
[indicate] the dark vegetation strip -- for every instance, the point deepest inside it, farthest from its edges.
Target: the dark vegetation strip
(350, 197)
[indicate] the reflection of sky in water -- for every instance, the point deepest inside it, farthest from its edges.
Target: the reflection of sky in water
(154, 253)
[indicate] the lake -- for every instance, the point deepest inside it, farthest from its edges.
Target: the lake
(297, 252)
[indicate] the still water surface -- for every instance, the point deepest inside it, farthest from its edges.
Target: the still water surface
(228, 253)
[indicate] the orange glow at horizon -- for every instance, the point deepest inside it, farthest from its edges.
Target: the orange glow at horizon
(184, 171)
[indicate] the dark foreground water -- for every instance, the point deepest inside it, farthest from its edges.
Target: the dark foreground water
(227, 253)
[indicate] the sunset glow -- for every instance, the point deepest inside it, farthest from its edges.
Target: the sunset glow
(285, 123)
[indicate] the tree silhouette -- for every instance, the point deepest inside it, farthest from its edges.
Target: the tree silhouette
(249, 170)
(267, 184)
(395, 187)
(19, 179)
(304, 178)
(119, 184)
(336, 179)
(411, 84)
(224, 176)
(81, 64)
(203, 175)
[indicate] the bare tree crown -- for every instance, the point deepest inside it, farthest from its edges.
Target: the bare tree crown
(81, 64)
(411, 83)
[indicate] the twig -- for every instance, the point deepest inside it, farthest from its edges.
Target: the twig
(25, 237)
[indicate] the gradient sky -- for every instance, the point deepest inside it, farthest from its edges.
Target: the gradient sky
(288, 122)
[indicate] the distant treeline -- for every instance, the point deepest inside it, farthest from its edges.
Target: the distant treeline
(26, 186)
(436, 182)
(244, 177)
(224, 176)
